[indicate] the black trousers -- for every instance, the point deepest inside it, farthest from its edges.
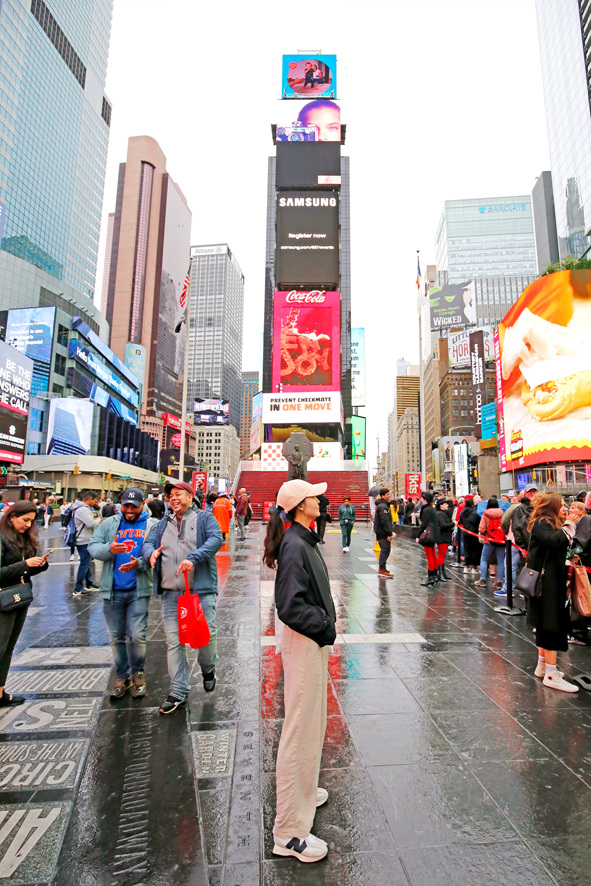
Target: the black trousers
(11, 625)
(385, 548)
(321, 525)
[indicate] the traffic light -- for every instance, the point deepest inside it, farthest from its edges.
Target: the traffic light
(76, 470)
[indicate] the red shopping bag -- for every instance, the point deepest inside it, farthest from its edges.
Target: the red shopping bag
(193, 627)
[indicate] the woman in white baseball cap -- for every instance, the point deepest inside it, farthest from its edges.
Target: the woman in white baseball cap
(306, 609)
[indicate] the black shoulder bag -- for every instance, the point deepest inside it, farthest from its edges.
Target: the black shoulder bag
(529, 580)
(16, 596)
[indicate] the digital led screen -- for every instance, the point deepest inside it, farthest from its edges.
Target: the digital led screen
(69, 426)
(211, 411)
(543, 373)
(83, 329)
(307, 251)
(358, 366)
(306, 340)
(93, 364)
(358, 437)
(30, 331)
(309, 75)
(16, 376)
(453, 305)
(310, 122)
(302, 165)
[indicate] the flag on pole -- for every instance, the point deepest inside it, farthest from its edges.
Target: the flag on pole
(183, 298)
(418, 272)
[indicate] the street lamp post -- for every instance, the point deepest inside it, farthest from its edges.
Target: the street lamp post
(187, 321)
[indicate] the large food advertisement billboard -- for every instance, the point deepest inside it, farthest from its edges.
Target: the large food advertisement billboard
(16, 375)
(453, 305)
(30, 331)
(309, 75)
(69, 426)
(543, 373)
(306, 340)
(307, 251)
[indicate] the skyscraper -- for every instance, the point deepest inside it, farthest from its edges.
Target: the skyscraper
(217, 316)
(565, 43)
(148, 261)
(250, 387)
(54, 131)
(489, 240)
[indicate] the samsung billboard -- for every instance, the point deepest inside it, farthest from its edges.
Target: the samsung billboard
(307, 248)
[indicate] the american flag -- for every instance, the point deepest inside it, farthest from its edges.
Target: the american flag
(418, 273)
(185, 289)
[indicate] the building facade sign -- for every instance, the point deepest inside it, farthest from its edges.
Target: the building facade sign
(358, 366)
(309, 408)
(16, 376)
(82, 355)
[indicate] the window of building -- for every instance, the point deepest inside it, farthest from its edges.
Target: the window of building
(62, 335)
(33, 448)
(36, 419)
(59, 365)
(58, 389)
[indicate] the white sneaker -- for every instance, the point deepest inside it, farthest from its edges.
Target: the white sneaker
(72, 557)
(540, 671)
(308, 849)
(347, 550)
(556, 681)
(321, 797)
(467, 570)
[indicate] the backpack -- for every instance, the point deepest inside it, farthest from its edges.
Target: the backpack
(70, 534)
(495, 534)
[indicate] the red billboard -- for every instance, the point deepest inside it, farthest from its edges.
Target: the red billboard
(173, 421)
(306, 340)
(199, 477)
(412, 485)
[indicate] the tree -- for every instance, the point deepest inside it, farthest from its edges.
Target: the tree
(568, 264)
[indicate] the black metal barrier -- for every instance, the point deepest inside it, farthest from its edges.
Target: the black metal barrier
(508, 608)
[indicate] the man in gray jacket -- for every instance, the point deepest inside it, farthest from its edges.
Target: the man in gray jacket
(126, 588)
(186, 540)
(85, 521)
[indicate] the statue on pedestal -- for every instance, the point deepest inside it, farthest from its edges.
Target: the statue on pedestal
(298, 451)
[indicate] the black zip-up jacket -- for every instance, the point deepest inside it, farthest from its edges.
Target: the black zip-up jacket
(382, 522)
(13, 565)
(446, 526)
(519, 521)
(302, 589)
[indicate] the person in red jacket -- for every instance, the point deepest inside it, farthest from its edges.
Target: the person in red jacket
(493, 539)
(241, 512)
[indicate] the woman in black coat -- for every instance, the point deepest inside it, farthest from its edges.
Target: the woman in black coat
(18, 560)
(550, 538)
(470, 521)
(446, 528)
(429, 519)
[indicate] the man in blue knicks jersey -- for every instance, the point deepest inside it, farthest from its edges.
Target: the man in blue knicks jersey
(126, 588)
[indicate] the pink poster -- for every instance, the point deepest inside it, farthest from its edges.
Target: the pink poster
(306, 341)
(501, 418)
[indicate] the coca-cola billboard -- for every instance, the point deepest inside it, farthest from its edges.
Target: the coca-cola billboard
(306, 340)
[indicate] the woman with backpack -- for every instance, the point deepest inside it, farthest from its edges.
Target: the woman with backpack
(493, 538)
(468, 522)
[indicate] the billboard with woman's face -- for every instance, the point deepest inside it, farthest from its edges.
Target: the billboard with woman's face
(543, 373)
(309, 76)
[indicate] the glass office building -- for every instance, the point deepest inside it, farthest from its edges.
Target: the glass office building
(563, 31)
(54, 130)
(215, 341)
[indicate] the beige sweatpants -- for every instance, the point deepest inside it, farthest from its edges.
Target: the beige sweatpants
(305, 668)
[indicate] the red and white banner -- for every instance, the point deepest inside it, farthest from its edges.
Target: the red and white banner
(412, 485)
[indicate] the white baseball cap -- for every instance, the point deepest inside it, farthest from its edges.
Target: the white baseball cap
(295, 491)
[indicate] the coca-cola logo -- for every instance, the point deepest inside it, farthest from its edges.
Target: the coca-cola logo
(316, 296)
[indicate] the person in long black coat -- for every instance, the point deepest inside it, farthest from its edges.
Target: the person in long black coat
(550, 538)
(470, 520)
(446, 528)
(429, 519)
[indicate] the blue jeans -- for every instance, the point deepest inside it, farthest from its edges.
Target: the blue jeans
(84, 574)
(514, 564)
(178, 664)
(126, 615)
(346, 533)
(489, 551)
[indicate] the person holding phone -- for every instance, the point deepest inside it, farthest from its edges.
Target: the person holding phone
(125, 587)
(18, 560)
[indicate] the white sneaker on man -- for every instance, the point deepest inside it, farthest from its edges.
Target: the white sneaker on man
(307, 849)
(556, 681)
(321, 796)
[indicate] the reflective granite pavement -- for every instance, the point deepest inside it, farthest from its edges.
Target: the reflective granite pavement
(446, 760)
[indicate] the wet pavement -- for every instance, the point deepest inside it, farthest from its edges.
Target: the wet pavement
(446, 760)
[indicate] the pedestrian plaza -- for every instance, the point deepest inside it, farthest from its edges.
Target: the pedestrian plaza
(446, 761)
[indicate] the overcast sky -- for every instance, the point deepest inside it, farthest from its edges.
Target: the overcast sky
(442, 100)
